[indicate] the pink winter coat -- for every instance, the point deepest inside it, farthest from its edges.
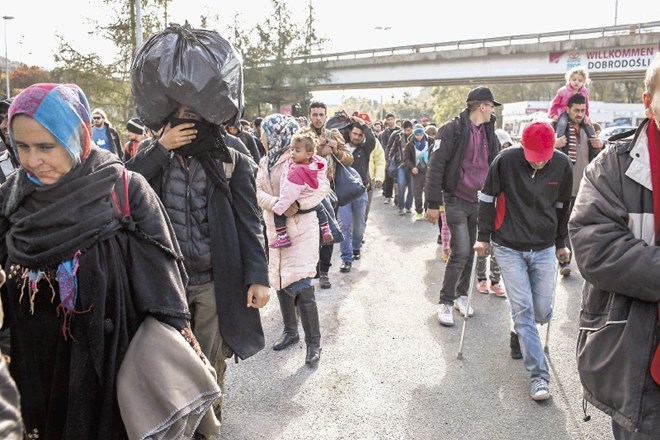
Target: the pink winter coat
(291, 264)
(301, 181)
(560, 102)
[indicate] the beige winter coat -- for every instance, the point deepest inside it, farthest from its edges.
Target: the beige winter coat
(291, 264)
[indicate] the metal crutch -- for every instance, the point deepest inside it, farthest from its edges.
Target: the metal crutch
(546, 347)
(467, 307)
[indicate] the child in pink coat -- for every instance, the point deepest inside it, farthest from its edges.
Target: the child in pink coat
(300, 180)
(576, 80)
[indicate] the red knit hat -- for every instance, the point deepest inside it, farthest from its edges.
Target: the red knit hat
(538, 141)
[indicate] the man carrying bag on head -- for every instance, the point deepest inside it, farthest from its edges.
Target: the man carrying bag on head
(351, 216)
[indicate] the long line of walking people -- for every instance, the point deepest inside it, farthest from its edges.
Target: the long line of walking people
(116, 267)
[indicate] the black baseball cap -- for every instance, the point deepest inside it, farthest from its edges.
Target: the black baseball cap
(482, 93)
(4, 104)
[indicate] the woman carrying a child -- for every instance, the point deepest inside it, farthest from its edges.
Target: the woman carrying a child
(292, 268)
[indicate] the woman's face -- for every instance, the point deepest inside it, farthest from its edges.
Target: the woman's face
(39, 152)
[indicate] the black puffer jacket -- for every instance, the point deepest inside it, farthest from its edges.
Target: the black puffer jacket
(237, 246)
(185, 199)
(612, 229)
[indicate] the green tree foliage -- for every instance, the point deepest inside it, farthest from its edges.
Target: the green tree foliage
(448, 102)
(275, 70)
(356, 104)
(108, 85)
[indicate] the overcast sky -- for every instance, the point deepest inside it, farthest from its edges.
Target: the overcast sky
(348, 25)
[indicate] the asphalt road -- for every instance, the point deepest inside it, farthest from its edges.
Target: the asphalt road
(388, 370)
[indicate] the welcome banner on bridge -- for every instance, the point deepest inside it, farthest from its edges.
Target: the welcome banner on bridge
(606, 60)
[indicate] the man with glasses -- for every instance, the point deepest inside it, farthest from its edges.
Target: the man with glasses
(104, 135)
(456, 172)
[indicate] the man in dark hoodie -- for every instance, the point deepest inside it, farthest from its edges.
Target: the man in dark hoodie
(456, 172)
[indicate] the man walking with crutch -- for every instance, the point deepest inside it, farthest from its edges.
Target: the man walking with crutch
(455, 174)
(523, 210)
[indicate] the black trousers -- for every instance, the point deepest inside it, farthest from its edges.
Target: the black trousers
(388, 187)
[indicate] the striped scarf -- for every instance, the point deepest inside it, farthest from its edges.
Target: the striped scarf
(573, 138)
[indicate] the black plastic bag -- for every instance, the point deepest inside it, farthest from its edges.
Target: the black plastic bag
(340, 121)
(347, 183)
(194, 67)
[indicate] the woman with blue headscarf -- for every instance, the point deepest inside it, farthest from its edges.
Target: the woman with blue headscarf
(89, 253)
(416, 159)
(291, 269)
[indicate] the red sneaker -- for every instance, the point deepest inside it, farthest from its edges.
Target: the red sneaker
(482, 286)
(281, 242)
(497, 290)
(326, 234)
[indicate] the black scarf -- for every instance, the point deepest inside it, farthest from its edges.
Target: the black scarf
(208, 145)
(117, 283)
(57, 220)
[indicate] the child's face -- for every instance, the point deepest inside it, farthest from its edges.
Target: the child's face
(299, 153)
(576, 81)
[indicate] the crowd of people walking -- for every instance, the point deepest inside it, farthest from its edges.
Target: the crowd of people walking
(178, 236)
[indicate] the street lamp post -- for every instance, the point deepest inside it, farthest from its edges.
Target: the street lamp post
(616, 11)
(381, 108)
(5, 18)
(138, 24)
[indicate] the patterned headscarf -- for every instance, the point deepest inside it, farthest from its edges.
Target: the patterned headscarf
(279, 130)
(63, 110)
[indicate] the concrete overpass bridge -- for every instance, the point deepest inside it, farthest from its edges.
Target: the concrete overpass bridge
(616, 52)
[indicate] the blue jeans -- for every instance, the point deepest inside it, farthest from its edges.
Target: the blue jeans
(352, 224)
(530, 280)
(461, 217)
(404, 181)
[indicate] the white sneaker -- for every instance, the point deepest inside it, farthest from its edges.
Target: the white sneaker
(461, 305)
(445, 315)
(539, 389)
